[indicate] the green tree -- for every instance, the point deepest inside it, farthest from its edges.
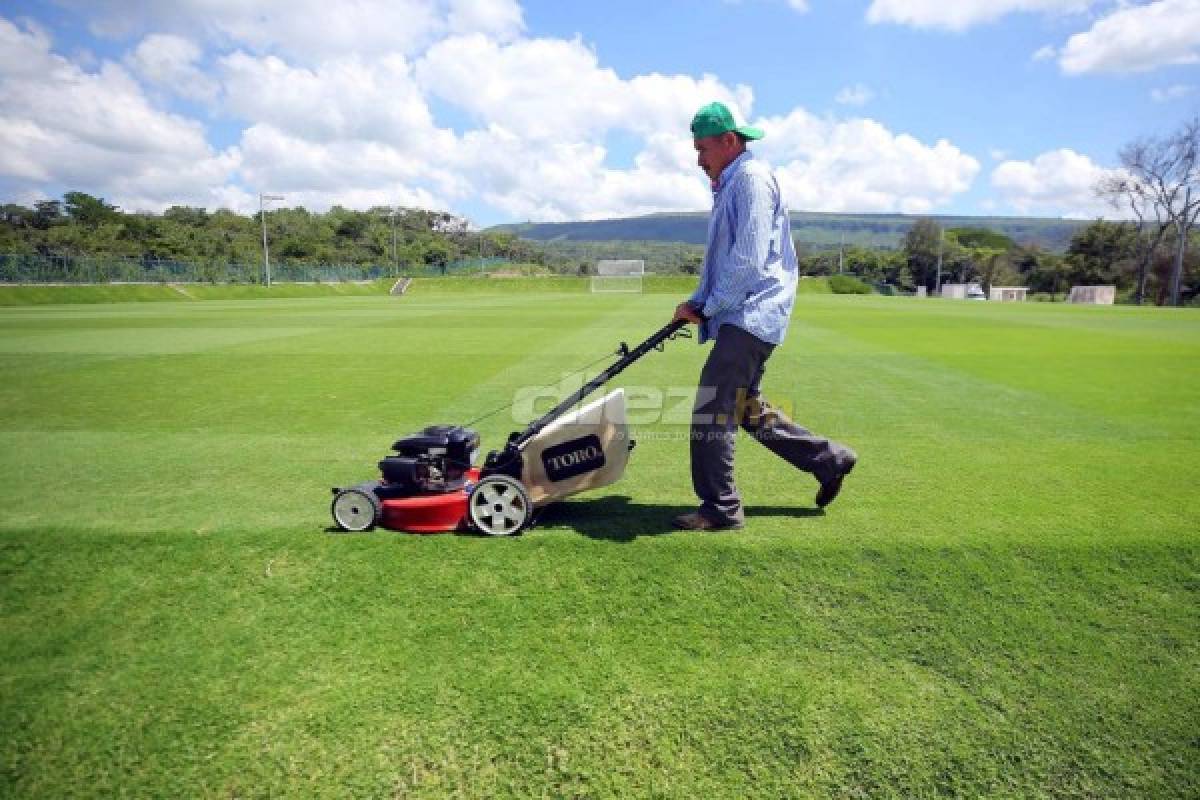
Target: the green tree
(187, 215)
(691, 264)
(1102, 253)
(85, 209)
(981, 237)
(436, 253)
(921, 247)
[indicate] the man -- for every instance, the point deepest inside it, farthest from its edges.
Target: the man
(744, 301)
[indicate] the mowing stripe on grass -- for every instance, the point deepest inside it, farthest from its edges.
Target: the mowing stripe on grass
(1003, 603)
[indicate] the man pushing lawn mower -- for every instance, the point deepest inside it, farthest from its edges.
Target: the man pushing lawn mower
(743, 302)
(431, 484)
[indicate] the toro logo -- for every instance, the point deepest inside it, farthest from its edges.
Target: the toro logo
(573, 458)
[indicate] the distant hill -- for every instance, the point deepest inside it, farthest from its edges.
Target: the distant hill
(818, 230)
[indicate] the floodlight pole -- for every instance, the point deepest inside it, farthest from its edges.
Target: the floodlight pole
(395, 260)
(263, 199)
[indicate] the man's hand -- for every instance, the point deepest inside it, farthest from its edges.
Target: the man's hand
(685, 311)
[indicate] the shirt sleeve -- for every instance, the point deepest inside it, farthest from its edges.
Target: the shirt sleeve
(698, 296)
(753, 210)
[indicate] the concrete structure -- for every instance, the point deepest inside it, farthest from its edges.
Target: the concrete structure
(1008, 294)
(963, 291)
(618, 275)
(1097, 295)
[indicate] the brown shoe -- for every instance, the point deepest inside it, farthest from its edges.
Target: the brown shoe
(696, 521)
(830, 488)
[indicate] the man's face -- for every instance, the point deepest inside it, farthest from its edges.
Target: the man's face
(715, 153)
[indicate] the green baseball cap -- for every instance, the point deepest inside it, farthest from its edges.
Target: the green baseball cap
(715, 119)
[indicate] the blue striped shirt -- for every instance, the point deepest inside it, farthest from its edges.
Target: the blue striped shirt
(750, 272)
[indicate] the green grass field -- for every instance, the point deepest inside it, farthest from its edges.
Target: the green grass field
(1003, 603)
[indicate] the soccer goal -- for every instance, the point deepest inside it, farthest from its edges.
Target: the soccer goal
(618, 276)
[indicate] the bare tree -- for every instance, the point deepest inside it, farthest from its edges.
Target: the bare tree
(1187, 143)
(1159, 182)
(1151, 221)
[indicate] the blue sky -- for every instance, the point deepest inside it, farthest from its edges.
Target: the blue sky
(507, 111)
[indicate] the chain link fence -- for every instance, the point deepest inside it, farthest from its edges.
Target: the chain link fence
(41, 268)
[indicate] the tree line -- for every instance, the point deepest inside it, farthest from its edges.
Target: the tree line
(1101, 253)
(1133, 255)
(406, 239)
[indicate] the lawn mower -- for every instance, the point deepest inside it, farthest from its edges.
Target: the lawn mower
(430, 483)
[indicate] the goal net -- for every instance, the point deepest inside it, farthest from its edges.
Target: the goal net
(618, 276)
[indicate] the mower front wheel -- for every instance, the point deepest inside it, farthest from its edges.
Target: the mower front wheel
(499, 506)
(358, 508)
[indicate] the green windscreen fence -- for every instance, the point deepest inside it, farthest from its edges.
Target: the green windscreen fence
(44, 268)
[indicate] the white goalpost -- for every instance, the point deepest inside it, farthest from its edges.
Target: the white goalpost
(618, 275)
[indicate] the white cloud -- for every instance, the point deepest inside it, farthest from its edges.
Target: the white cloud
(539, 150)
(572, 97)
(339, 99)
(170, 62)
(568, 180)
(112, 142)
(499, 19)
(24, 53)
(355, 125)
(958, 15)
(1045, 53)
(335, 171)
(856, 95)
(667, 103)
(1170, 93)
(798, 5)
(1137, 39)
(859, 165)
(823, 165)
(308, 30)
(1058, 182)
(543, 88)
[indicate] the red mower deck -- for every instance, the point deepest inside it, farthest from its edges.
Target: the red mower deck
(430, 513)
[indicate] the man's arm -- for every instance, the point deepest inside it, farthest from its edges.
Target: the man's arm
(754, 211)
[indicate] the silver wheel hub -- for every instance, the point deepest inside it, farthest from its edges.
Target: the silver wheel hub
(499, 507)
(354, 511)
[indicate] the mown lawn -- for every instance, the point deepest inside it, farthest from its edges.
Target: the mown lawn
(1004, 603)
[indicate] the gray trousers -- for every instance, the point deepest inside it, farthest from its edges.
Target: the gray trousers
(728, 396)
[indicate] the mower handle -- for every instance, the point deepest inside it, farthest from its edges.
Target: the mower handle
(626, 357)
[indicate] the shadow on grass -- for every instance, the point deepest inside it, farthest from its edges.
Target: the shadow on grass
(616, 518)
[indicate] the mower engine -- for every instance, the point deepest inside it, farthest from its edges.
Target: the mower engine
(423, 488)
(435, 460)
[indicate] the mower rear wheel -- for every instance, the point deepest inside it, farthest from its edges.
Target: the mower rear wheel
(499, 506)
(357, 508)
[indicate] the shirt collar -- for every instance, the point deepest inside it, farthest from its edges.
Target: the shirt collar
(733, 167)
